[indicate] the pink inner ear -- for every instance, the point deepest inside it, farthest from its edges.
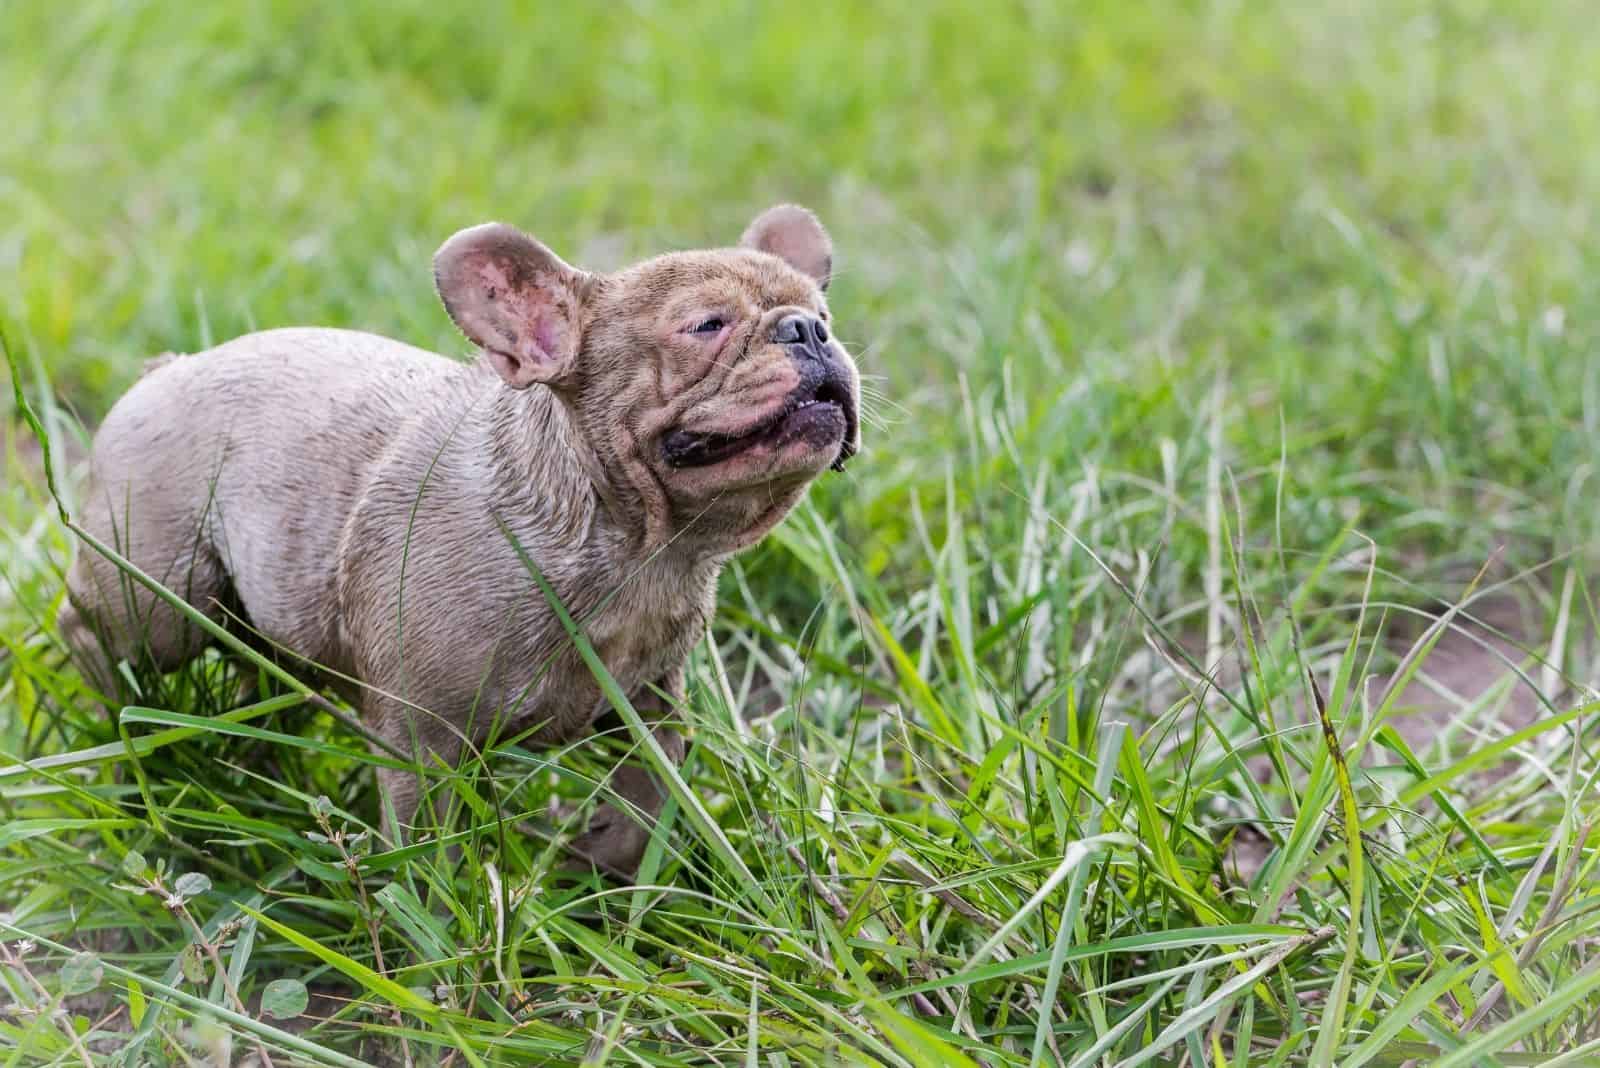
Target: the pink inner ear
(520, 316)
(546, 335)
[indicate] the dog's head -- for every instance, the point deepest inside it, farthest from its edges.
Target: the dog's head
(706, 387)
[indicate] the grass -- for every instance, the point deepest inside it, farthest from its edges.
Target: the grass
(1232, 365)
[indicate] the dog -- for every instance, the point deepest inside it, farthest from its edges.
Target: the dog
(374, 508)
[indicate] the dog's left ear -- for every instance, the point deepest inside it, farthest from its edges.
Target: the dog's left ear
(794, 235)
(515, 299)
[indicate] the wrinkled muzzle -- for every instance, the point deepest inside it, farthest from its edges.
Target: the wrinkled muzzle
(821, 410)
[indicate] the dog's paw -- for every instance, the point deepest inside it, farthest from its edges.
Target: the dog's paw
(612, 843)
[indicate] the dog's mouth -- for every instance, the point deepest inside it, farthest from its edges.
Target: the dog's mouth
(819, 413)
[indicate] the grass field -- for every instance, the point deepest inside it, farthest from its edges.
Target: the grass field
(1229, 485)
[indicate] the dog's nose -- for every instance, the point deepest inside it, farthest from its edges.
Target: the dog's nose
(800, 329)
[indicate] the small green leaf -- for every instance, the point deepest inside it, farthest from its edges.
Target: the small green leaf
(134, 864)
(81, 974)
(284, 999)
(136, 1003)
(190, 964)
(191, 884)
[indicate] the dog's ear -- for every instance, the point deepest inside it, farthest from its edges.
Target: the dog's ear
(794, 235)
(515, 299)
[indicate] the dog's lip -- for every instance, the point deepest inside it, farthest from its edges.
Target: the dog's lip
(689, 448)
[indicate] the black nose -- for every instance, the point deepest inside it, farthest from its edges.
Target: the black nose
(800, 329)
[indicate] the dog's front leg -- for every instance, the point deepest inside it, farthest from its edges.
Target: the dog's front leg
(619, 831)
(430, 741)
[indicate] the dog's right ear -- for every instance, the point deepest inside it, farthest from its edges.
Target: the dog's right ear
(515, 299)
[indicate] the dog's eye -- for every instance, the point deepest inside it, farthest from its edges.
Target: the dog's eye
(710, 326)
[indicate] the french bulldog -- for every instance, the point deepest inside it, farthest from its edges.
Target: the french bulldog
(373, 508)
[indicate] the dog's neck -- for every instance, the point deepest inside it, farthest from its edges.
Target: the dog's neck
(545, 472)
(593, 546)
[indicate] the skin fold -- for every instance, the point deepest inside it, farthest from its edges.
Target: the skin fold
(367, 505)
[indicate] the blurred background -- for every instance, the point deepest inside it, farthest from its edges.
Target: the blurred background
(1062, 227)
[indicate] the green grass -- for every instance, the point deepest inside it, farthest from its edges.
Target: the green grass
(1215, 350)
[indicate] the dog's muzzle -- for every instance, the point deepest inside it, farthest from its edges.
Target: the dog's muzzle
(823, 377)
(814, 409)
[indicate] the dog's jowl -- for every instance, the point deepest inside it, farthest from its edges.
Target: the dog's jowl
(374, 508)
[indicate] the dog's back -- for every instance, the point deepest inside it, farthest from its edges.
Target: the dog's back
(238, 467)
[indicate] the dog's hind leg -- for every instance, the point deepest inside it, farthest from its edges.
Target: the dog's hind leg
(88, 652)
(109, 616)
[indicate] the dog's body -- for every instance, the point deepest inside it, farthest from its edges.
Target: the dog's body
(369, 506)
